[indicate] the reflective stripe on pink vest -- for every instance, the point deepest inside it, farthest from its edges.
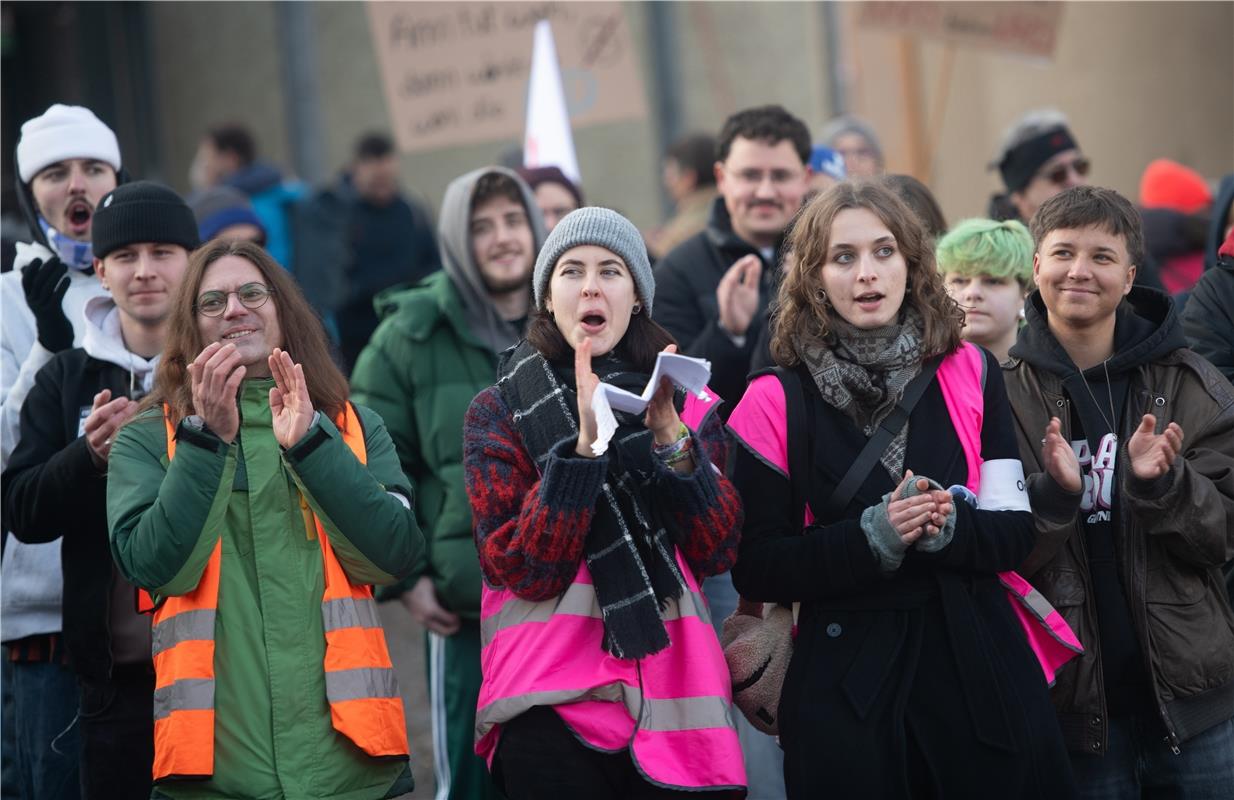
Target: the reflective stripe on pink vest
(1049, 636)
(673, 709)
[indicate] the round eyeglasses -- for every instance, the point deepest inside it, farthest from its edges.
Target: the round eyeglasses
(252, 296)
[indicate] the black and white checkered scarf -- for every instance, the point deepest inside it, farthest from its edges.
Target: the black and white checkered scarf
(628, 552)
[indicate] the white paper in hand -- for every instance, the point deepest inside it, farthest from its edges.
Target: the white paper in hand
(691, 374)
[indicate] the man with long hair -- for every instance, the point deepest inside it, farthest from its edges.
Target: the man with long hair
(256, 504)
(435, 350)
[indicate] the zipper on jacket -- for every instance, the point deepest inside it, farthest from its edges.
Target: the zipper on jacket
(1137, 568)
(1081, 557)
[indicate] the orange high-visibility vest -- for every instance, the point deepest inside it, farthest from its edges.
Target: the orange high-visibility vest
(361, 688)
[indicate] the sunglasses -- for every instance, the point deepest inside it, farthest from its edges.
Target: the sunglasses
(252, 296)
(1058, 175)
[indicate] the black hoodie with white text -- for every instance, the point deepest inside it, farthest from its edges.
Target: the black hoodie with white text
(1146, 328)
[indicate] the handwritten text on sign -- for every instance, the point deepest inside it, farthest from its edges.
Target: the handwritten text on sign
(456, 73)
(1028, 28)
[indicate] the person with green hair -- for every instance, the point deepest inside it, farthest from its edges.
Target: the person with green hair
(987, 267)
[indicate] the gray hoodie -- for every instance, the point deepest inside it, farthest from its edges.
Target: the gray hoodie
(459, 263)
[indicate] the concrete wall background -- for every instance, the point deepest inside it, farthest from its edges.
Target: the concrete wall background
(1139, 80)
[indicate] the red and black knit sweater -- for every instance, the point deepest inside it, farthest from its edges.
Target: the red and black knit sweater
(530, 528)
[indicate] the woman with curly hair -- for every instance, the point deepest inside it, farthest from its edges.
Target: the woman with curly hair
(911, 675)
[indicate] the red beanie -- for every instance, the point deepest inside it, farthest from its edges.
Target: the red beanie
(1168, 184)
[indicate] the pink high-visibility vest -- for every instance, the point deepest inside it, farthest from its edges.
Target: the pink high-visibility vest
(672, 710)
(1049, 636)
(765, 430)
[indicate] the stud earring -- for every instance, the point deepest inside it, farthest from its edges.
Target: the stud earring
(637, 308)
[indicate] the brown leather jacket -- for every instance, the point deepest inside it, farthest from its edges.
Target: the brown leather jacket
(1173, 538)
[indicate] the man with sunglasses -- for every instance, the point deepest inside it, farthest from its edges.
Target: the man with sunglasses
(55, 482)
(1040, 158)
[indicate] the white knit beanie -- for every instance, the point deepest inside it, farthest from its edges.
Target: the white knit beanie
(64, 132)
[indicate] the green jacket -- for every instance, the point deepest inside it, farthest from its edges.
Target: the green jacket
(420, 372)
(273, 736)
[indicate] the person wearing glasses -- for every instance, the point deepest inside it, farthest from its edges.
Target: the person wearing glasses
(1039, 158)
(715, 286)
(257, 505)
(55, 483)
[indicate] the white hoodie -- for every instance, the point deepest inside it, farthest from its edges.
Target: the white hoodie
(31, 583)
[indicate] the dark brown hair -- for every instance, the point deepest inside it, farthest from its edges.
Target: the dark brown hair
(495, 184)
(1091, 207)
(304, 339)
(770, 124)
(918, 197)
(232, 137)
(801, 308)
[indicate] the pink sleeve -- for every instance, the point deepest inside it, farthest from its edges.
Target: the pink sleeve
(760, 422)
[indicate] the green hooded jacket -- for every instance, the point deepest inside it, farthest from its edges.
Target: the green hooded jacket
(435, 350)
(273, 737)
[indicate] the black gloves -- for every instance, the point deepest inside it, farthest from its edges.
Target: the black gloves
(45, 283)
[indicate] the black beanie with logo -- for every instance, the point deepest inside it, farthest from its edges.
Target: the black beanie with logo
(142, 211)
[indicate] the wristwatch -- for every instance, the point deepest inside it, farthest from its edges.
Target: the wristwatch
(194, 429)
(194, 422)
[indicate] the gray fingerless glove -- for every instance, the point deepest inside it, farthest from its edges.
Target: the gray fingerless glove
(933, 544)
(885, 540)
(881, 534)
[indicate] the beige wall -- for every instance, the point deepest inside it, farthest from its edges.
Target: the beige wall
(1139, 80)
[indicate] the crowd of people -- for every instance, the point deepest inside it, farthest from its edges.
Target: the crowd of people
(987, 467)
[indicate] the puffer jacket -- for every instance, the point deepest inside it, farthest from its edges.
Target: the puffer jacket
(1172, 539)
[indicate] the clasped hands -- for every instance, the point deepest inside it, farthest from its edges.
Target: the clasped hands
(216, 375)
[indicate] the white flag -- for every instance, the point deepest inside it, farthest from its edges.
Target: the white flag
(548, 141)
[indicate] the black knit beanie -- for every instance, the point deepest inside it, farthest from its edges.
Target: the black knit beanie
(142, 211)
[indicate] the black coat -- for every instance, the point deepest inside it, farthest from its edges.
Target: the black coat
(1208, 319)
(914, 684)
(686, 305)
(52, 489)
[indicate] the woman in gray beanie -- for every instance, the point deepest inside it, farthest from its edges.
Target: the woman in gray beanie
(602, 674)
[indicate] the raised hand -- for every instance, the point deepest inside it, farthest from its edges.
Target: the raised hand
(585, 382)
(45, 283)
(215, 376)
(662, 418)
(1153, 454)
(923, 513)
(737, 294)
(1060, 459)
(290, 404)
(106, 417)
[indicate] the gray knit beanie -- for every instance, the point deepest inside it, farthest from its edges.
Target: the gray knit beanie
(603, 227)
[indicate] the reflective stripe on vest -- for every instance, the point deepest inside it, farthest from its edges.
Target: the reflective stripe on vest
(361, 687)
(364, 699)
(666, 708)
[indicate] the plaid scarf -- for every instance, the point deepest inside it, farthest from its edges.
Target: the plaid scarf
(862, 373)
(627, 550)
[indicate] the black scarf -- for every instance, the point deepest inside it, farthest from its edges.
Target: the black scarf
(628, 552)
